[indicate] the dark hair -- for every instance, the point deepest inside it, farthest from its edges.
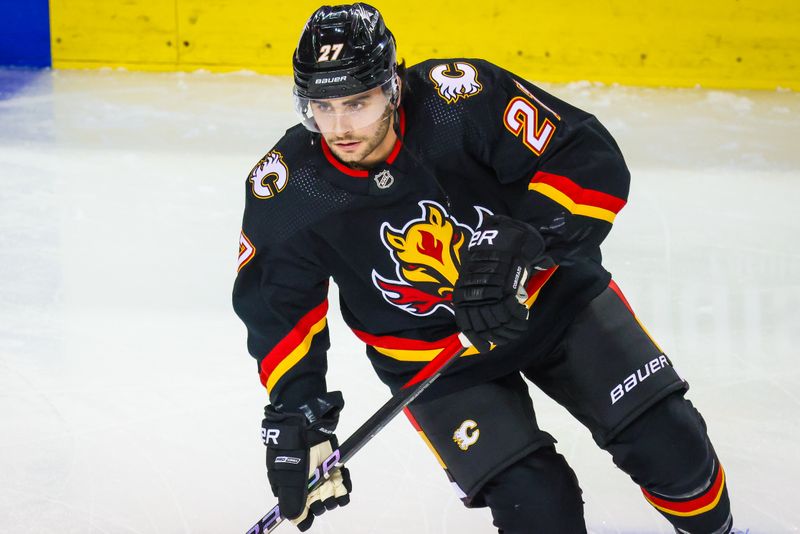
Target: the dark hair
(401, 73)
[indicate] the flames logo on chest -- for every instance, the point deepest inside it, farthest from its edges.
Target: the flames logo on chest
(427, 254)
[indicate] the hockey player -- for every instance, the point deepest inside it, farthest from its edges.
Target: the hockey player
(454, 196)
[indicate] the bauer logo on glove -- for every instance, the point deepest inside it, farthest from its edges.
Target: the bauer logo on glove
(489, 295)
(483, 237)
(270, 435)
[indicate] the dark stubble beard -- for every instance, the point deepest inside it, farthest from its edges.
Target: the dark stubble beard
(370, 143)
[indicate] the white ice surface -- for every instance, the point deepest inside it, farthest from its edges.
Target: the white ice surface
(128, 403)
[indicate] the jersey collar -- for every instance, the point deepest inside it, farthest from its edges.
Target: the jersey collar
(360, 173)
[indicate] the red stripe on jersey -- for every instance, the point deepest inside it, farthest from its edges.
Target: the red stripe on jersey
(292, 340)
(392, 342)
(399, 143)
(538, 280)
(578, 194)
(339, 165)
(356, 173)
(699, 504)
(436, 364)
(412, 419)
(615, 288)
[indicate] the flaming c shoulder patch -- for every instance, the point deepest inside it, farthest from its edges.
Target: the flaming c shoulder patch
(455, 81)
(270, 176)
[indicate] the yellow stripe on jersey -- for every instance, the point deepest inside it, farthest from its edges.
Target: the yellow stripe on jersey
(296, 354)
(411, 355)
(576, 209)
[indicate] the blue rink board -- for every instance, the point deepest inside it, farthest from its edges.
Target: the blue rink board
(25, 33)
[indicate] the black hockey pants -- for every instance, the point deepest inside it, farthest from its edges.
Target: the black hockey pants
(665, 450)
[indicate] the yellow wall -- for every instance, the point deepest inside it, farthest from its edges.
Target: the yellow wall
(716, 43)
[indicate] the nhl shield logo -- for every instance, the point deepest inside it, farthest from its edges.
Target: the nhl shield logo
(384, 179)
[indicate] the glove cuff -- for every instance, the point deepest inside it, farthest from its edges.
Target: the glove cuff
(309, 424)
(324, 407)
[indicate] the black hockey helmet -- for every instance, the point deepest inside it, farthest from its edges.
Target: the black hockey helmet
(343, 50)
(345, 53)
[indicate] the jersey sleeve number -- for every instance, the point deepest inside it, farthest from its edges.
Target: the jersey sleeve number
(522, 117)
(325, 52)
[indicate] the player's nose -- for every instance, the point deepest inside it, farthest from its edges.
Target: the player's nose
(341, 124)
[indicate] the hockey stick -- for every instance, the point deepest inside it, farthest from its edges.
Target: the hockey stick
(410, 391)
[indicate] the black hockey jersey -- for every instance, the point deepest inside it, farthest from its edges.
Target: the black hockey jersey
(475, 139)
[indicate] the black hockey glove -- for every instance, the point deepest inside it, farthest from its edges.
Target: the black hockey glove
(297, 442)
(489, 295)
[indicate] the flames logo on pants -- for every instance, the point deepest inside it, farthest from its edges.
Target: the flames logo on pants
(427, 253)
(467, 434)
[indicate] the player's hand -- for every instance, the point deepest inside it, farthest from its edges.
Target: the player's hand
(297, 442)
(489, 296)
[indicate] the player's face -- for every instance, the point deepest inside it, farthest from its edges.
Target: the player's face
(339, 115)
(356, 128)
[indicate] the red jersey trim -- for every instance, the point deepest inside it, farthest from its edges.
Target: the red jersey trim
(535, 284)
(392, 342)
(339, 165)
(615, 288)
(445, 354)
(412, 419)
(578, 194)
(399, 143)
(293, 347)
(414, 350)
(578, 200)
(410, 350)
(359, 173)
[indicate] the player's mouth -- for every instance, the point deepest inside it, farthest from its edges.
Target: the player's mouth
(347, 146)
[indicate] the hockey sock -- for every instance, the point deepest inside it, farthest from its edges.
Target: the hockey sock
(667, 452)
(706, 511)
